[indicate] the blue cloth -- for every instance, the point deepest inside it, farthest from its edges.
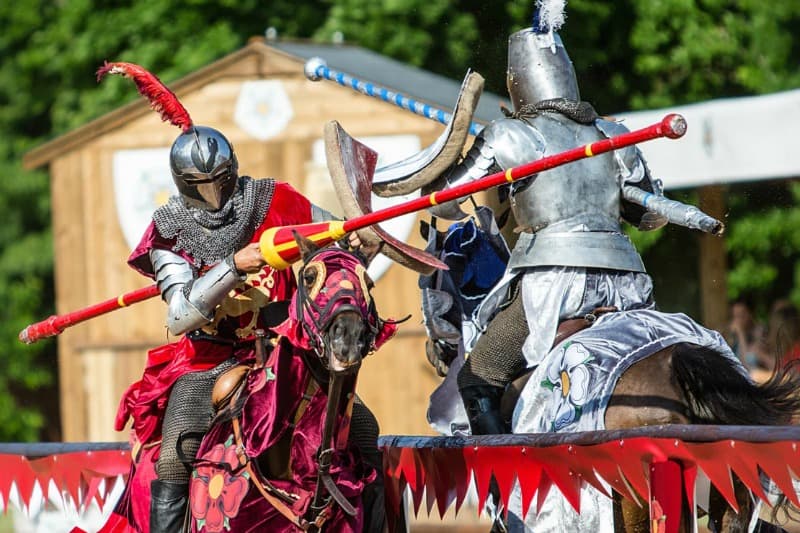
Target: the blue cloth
(475, 264)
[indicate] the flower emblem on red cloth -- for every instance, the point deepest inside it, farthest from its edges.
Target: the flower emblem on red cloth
(217, 488)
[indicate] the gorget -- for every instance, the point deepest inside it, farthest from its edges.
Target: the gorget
(208, 237)
(580, 112)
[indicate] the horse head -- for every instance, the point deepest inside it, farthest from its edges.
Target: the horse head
(332, 312)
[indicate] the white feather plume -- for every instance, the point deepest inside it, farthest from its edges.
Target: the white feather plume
(551, 13)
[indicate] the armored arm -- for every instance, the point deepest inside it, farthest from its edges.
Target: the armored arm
(503, 144)
(673, 211)
(191, 299)
(633, 172)
(640, 190)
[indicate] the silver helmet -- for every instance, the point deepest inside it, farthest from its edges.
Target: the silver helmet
(204, 168)
(539, 68)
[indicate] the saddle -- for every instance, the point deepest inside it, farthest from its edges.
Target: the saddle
(566, 329)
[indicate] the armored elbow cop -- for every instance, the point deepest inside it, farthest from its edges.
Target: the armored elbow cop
(191, 301)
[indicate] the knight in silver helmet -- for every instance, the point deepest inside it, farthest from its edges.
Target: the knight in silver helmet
(202, 249)
(572, 256)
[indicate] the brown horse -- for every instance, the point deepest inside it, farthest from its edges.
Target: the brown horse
(690, 384)
(280, 455)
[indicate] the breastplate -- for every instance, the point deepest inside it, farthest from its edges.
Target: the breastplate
(587, 190)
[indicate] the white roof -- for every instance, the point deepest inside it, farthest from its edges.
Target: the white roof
(729, 140)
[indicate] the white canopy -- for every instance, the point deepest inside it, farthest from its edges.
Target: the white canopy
(728, 140)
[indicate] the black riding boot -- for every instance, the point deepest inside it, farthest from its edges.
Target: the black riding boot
(482, 403)
(168, 504)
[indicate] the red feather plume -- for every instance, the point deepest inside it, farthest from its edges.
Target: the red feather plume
(161, 98)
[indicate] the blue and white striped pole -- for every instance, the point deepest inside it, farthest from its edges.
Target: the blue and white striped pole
(316, 69)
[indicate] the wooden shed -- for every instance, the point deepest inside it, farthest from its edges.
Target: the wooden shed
(109, 175)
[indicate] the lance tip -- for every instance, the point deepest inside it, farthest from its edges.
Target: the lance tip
(674, 126)
(23, 336)
(312, 66)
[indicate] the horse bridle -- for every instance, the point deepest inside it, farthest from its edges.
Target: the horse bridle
(314, 319)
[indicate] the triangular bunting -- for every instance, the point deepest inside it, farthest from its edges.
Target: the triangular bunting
(708, 457)
(607, 467)
(529, 477)
(407, 465)
(92, 484)
(444, 485)
(745, 468)
(632, 467)
(430, 472)
(12, 467)
(559, 470)
(459, 473)
(775, 463)
(505, 463)
(482, 471)
(25, 481)
(544, 489)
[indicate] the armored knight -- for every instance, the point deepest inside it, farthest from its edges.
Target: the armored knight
(571, 257)
(202, 249)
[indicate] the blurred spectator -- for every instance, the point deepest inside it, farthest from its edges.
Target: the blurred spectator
(747, 337)
(783, 333)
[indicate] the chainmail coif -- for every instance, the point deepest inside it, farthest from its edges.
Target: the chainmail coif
(210, 236)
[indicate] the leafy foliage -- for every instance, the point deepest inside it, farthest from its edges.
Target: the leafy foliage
(764, 245)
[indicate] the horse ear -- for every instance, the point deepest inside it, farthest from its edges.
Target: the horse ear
(306, 246)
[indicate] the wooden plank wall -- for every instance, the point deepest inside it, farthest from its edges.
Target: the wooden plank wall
(99, 359)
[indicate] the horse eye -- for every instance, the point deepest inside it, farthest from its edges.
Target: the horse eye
(309, 277)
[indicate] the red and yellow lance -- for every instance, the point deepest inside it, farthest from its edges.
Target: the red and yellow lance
(280, 250)
(57, 323)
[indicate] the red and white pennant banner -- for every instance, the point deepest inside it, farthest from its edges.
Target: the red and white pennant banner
(632, 463)
(79, 474)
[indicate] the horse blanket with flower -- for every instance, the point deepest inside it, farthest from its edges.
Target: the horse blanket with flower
(570, 391)
(285, 409)
(224, 498)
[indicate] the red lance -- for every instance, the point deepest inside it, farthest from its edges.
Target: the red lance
(280, 249)
(57, 323)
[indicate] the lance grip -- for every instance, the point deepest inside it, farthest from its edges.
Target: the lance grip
(280, 249)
